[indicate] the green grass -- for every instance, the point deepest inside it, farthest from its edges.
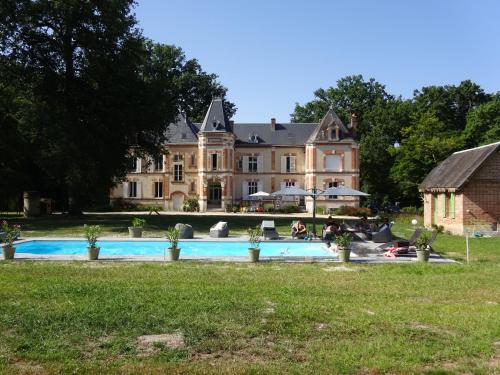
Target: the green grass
(241, 318)
(85, 317)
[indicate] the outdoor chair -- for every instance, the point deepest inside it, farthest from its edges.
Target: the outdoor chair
(269, 230)
(219, 230)
(185, 230)
(383, 236)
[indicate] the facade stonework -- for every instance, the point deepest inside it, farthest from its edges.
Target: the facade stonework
(221, 163)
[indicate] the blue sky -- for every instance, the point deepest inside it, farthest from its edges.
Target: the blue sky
(272, 54)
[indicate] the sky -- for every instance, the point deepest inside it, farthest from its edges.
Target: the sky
(272, 54)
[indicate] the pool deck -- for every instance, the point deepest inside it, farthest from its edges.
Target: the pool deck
(362, 252)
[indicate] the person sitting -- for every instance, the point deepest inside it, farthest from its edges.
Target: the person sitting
(385, 224)
(299, 229)
(363, 225)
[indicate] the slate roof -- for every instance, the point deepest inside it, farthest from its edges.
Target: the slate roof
(456, 170)
(329, 119)
(182, 131)
(216, 119)
(285, 134)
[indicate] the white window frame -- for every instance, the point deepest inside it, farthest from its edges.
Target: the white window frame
(252, 187)
(132, 189)
(178, 168)
(253, 165)
(158, 163)
(333, 184)
(214, 157)
(158, 189)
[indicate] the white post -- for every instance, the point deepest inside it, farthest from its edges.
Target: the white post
(467, 245)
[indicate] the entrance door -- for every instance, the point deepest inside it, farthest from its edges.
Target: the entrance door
(214, 194)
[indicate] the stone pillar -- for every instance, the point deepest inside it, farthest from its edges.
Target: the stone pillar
(31, 203)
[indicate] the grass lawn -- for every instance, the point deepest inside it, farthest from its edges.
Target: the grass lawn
(86, 317)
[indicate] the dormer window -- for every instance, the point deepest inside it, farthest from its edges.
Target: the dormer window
(253, 138)
(183, 135)
(214, 124)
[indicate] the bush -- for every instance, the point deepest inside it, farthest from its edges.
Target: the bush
(353, 211)
(412, 210)
(290, 209)
(191, 205)
(92, 233)
(438, 228)
(320, 210)
(138, 222)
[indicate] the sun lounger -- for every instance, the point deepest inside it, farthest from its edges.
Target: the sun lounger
(219, 230)
(269, 230)
(382, 236)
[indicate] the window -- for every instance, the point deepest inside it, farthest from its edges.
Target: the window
(449, 204)
(290, 164)
(133, 166)
(333, 163)
(192, 187)
(214, 162)
(252, 187)
(252, 164)
(193, 160)
(178, 168)
(158, 163)
(333, 184)
(289, 183)
(158, 189)
(132, 189)
(239, 164)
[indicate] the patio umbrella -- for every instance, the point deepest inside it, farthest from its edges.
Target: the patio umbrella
(342, 190)
(260, 194)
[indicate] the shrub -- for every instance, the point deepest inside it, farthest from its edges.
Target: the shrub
(92, 233)
(11, 232)
(353, 211)
(138, 222)
(438, 228)
(191, 205)
(254, 237)
(173, 236)
(422, 243)
(412, 210)
(320, 210)
(290, 209)
(343, 241)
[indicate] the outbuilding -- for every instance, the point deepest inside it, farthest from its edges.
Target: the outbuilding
(462, 193)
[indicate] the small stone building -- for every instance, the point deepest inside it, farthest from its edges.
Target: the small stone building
(463, 192)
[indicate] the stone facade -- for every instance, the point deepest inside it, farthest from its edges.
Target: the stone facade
(471, 206)
(222, 163)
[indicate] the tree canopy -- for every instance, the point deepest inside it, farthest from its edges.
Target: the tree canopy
(426, 129)
(82, 91)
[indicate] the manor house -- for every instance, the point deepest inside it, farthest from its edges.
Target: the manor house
(222, 163)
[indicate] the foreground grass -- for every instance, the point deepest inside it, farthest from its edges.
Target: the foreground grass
(241, 318)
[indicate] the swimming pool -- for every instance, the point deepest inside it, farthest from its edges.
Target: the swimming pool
(189, 249)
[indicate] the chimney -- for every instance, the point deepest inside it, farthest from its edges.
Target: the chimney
(231, 125)
(273, 124)
(354, 121)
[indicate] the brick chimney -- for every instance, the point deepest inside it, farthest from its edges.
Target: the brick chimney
(354, 121)
(231, 125)
(273, 124)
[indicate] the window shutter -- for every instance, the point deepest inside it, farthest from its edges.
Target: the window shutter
(260, 164)
(219, 161)
(245, 164)
(139, 166)
(283, 164)
(163, 163)
(452, 205)
(151, 167)
(125, 190)
(292, 163)
(260, 185)
(244, 190)
(139, 189)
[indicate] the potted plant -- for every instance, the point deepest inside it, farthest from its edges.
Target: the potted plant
(10, 234)
(344, 242)
(135, 231)
(92, 232)
(173, 237)
(254, 237)
(423, 249)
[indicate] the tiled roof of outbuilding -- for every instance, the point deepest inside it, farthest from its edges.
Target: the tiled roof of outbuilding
(453, 172)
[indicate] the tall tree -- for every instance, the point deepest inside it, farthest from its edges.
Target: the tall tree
(483, 124)
(425, 143)
(351, 95)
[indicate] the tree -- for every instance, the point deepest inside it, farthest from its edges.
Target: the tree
(483, 124)
(174, 78)
(426, 142)
(351, 95)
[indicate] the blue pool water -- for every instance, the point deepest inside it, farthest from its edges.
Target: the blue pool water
(188, 248)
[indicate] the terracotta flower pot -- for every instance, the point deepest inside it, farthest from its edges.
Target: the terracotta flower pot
(173, 253)
(135, 232)
(93, 252)
(8, 252)
(253, 254)
(344, 254)
(423, 255)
